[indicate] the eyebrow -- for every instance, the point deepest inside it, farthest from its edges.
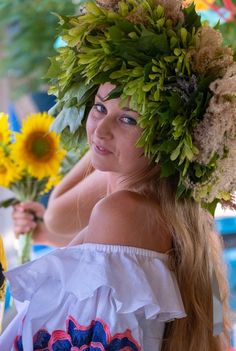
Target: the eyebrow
(104, 99)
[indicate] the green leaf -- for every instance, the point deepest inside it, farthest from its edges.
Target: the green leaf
(211, 207)
(116, 92)
(78, 90)
(168, 146)
(181, 189)
(147, 71)
(188, 152)
(192, 19)
(125, 26)
(73, 141)
(175, 153)
(116, 34)
(167, 169)
(178, 121)
(54, 68)
(184, 35)
(175, 101)
(153, 44)
(148, 86)
(9, 202)
(123, 8)
(186, 166)
(56, 109)
(160, 23)
(69, 117)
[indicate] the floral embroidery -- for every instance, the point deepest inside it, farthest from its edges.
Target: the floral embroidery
(94, 337)
(18, 343)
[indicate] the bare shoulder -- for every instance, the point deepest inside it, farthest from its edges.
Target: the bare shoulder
(123, 218)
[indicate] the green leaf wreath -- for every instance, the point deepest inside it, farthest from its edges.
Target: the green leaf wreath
(164, 64)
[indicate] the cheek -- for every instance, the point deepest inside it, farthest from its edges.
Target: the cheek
(137, 153)
(90, 127)
(129, 148)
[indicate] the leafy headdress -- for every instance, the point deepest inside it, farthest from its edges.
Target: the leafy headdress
(178, 76)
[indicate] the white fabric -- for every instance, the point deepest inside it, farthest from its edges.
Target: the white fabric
(127, 290)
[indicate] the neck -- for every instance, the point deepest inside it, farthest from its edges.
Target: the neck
(115, 182)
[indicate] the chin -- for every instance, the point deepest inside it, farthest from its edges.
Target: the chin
(101, 166)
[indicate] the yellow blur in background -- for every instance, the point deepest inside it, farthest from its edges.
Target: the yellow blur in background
(3, 267)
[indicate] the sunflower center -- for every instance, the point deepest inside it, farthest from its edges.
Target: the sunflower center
(3, 169)
(40, 146)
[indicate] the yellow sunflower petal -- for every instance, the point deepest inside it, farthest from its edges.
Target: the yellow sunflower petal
(37, 148)
(3, 261)
(3, 258)
(9, 172)
(52, 181)
(4, 129)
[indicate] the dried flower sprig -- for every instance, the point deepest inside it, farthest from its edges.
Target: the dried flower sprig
(218, 126)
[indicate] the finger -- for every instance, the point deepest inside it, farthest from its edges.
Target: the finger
(35, 207)
(21, 229)
(24, 222)
(18, 208)
(23, 216)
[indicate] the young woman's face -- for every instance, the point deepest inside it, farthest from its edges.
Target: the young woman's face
(112, 133)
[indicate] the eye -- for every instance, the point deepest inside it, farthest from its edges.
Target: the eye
(100, 108)
(128, 120)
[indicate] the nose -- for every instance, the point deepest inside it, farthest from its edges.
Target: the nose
(104, 128)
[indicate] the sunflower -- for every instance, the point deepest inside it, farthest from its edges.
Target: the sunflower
(9, 172)
(36, 148)
(4, 129)
(52, 181)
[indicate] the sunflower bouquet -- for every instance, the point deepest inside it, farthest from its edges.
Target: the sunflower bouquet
(29, 164)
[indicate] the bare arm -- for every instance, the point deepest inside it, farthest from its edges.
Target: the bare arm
(72, 201)
(43, 236)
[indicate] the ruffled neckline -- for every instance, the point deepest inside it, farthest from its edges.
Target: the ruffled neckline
(114, 248)
(84, 270)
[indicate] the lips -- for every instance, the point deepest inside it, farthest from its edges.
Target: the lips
(101, 150)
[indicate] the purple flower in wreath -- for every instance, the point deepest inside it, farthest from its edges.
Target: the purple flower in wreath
(94, 337)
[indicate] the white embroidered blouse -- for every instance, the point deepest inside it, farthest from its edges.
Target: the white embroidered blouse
(93, 297)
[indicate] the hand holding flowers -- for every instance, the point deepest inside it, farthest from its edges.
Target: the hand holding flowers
(29, 164)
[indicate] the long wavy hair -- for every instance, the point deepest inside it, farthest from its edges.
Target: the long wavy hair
(197, 250)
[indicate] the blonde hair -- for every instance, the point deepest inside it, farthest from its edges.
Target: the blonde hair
(197, 248)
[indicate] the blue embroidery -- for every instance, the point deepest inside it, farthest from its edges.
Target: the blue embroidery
(94, 337)
(41, 340)
(62, 345)
(18, 344)
(79, 338)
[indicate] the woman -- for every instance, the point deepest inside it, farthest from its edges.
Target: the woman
(138, 276)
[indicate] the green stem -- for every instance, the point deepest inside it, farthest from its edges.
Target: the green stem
(25, 242)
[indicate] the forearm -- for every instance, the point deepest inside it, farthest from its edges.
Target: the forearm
(43, 236)
(69, 213)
